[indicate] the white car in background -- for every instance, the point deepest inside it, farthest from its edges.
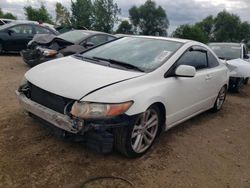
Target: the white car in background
(132, 88)
(232, 52)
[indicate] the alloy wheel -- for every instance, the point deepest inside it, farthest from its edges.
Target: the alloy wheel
(144, 131)
(221, 98)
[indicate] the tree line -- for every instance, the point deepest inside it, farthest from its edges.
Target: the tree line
(146, 19)
(224, 27)
(102, 15)
(7, 15)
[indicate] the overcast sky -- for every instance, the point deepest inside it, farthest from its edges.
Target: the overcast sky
(178, 11)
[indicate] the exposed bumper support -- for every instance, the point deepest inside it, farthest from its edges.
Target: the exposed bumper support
(59, 120)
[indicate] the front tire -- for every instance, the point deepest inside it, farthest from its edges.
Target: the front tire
(237, 85)
(220, 99)
(135, 140)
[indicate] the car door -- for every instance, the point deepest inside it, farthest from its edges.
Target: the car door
(18, 37)
(191, 95)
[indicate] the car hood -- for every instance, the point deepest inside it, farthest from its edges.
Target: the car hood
(238, 68)
(49, 38)
(73, 78)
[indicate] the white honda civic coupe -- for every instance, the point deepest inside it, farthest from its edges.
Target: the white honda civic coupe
(130, 89)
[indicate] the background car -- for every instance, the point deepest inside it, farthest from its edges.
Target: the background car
(15, 37)
(230, 51)
(126, 91)
(47, 47)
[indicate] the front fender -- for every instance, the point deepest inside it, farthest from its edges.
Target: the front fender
(142, 91)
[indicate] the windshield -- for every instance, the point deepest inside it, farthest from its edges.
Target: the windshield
(6, 26)
(226, 51)
(145, 53)
(74, 36)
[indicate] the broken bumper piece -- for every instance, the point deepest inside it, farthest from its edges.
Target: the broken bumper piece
(57, 119)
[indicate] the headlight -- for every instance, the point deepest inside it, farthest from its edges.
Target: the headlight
(48, 52)
(29, 43)
(88, 110)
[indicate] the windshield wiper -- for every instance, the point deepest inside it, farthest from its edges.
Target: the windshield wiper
(85, 57)
(223, 58)
(120, 63)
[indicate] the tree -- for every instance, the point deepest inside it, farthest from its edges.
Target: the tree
(192, 32)
(226, 27)
(81, 13)
(124, 28)
(40, 14)
(1, 13)
(7, 15)
(244, 31)
(207, 26)
(62, 15)
(105, 14)
(149, 19)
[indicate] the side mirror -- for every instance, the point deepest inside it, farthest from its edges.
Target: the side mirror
(10, 32)
(185, 71)
(89, 44)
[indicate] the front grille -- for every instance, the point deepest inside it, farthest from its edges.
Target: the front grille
(50, 100)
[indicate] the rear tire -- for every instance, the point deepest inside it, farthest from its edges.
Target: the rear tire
(135, 140)
(220, 99)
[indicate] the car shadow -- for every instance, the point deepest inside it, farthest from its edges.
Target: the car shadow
(10, 54)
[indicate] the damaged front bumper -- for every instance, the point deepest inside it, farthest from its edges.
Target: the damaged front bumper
(69, 124)
(57, 119)
(34, 57)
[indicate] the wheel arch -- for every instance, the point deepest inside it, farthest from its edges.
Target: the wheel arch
(162, 110)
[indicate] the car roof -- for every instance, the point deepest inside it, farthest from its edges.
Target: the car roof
(18, 23)
(8, 25)
(25, 23)
(162, 38)
(92, 32)
(226, 43)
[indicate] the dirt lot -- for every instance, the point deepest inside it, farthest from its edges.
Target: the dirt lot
(211, 150)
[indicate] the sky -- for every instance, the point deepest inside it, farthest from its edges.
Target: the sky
(178, 11)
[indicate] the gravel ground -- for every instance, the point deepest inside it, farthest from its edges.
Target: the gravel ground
(210, 150)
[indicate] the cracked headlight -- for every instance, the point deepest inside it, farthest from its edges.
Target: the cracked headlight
(89, 110)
